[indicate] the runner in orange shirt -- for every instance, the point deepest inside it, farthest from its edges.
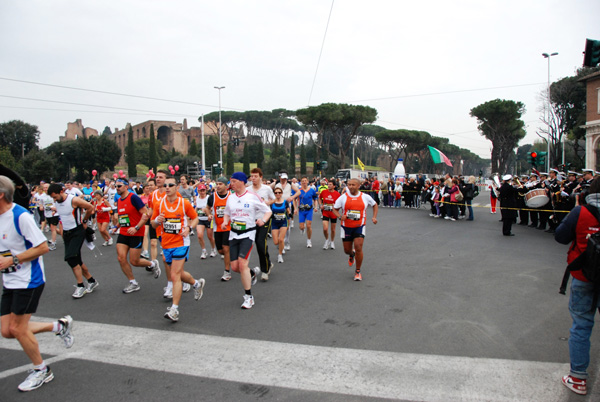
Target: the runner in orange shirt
(351, 209)
(175, 216)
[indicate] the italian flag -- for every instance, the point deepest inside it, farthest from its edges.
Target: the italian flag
(438, 156)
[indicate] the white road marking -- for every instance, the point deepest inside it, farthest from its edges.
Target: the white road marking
(313, 368)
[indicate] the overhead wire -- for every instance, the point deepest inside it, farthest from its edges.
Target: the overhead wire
(320, 53)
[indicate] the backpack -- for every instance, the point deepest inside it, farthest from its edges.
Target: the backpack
(589, 261)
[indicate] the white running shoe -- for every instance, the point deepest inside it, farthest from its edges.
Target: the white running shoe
(292, 223)
(280, 258)
(65, 331)
(213, 253)
(332, 245)
(204, 255)
(168, 293)
(308, 243)
(110, 241)
(226, 276)
(186, 287)
(79, 292)
(222, 257)
(51, 246)
(326, 245)
(256, 271)
(199, 291)
(36, 379)
(105, 243)
(287, 246)
(172, 314)
(133, 287)
(91, 286)
(156, 269)
(145, 254)
(264, 277)
(248, 302)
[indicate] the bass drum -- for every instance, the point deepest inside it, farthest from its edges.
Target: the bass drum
(536, 198)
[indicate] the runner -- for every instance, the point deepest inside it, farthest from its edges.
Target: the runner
(279, 223)
(327, 200)
(353, 217)
(204, 223)
(111, 196)
(155, 199)
(23, 279)
(133, 215)
(289, 191)
(266, 194)
(102, 208)
(70, 209)
(50, 216)
(71, 189)
(307, 200)
(246, 211)
(215, 208)
(176, 216)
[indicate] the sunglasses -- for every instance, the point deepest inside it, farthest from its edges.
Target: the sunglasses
(119, 185)
(170, 185)
(278, 192)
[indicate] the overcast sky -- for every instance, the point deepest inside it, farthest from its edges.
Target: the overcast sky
(422, 65)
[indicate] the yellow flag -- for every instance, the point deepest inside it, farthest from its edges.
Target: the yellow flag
(362, 165)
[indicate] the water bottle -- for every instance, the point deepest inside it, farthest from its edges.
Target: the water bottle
(399, 172)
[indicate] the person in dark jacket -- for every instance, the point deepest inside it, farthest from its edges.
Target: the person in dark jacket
(575, 228)
(508, 205)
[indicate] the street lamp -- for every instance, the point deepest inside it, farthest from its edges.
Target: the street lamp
(547, 56)
(220, 131)
(69, 162)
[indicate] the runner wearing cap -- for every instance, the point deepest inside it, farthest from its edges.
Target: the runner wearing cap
(289, 194)
(215, 209)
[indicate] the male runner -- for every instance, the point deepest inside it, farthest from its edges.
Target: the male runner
(204, 224)
(288, 189)
(49, 215)
(176, 216)
(327, 199)
(307, 203)
(215, 208)
(132, 216)
(266, 194)
(22, 245)
(246, 211)
(353, 205)
(70, 210)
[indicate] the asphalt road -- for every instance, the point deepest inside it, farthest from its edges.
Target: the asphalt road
(446, 311)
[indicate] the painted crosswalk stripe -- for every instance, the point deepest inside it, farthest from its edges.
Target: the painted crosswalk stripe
(365, 373)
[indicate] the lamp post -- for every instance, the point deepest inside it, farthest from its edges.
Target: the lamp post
(547, 56)
(220, 131)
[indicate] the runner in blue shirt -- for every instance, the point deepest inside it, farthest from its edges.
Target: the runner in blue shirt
(307, 203)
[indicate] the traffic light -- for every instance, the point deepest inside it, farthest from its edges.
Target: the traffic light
(532, 158)
(324, 165)
(317, 166)
(541, 158)
(592, 53)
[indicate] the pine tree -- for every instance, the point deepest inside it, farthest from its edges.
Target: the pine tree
(230, 168)
(193, 150)
(293, 155)
(302, 160)
(260, 155)
(130, 154)
(152, 151)
(246, 159)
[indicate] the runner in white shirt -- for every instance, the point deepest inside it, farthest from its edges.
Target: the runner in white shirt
(266, 194)
(204, 223)
(246, 211)
(70, 189)
(50, 215)
(22, 245)
(287, 189)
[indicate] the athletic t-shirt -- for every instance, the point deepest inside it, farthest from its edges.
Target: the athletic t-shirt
(243, 212)
(328, 199)
(217, 203)
(129, 215)
(354, 208)
(177, 216)
(18, 233)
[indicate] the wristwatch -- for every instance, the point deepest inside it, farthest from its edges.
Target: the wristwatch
(15, 260)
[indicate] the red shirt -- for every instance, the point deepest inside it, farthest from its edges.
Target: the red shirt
(327, 200)
(129, 213)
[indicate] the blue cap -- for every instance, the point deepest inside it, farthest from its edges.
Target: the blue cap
(241, 176)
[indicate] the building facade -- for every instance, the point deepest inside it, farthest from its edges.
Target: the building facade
(592, 121)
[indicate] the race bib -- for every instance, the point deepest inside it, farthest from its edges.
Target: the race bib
(328, 207)
(124, 221)
(353, 215)
(220, 212)
(238, 225)
(172, 225)
(201, 213)
(279, 217)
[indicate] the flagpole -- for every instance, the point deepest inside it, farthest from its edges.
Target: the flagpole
(202, 131)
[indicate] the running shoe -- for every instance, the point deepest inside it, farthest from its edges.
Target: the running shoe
(213, 253)
(222, 257)
(66, 325)
(172, 314)
(308, 243)
(79, 292)
(36, 379)
(132, 287)
(226, 276)
(326, 245)
(145, 254)
(168, 293)
(198, 292)
(46, 229)
(256, 271)
(357, 276)
(51, 246)
(351, 259)
(186, 287)
(280, 258)
(105, 243)
(575, 384)
(332, 245)
(287, 246)
(248, 302)
(264, 277)
(110, 241)
(156, 269)
(91, 286)
(204, 255)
